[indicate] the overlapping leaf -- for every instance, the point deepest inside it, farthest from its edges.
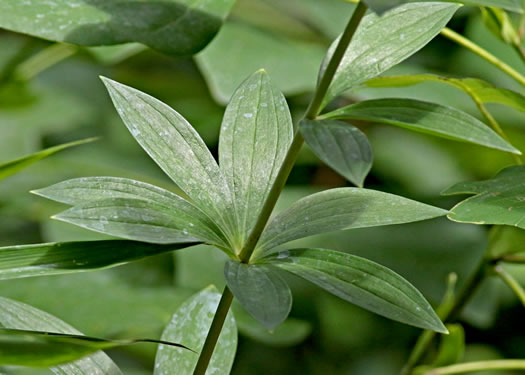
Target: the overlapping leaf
(500, 200)
(384, 5)
(190, 325)
(261, 291)
(342, 146)
(256, 133)
(342, 208)
(178, 27)
(425, 117)
(362, 282)
(382, 42)
(68, 257)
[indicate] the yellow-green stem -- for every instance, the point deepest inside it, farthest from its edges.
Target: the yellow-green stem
(502, 364)
(43, 60)
(511, 282)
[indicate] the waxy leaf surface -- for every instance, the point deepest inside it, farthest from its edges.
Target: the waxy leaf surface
(380, 6)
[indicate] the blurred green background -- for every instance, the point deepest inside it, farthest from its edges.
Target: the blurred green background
(324, 334)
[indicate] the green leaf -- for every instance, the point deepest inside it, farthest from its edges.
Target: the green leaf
(16, 315)
(177, 148)
(178, 27)
(500, 200)
(256, 133)
(342, 146)
(190, 325)
(11, 167)
(261, 291)
(68, 257)
(424, 117)
(241, 49)
(451, 346)
(481, 90)
(178, 213)
(342, 208)
(500, 24)
(380, 6)
(361, 282)
(382, 42)
(505, 240)
(44, 349)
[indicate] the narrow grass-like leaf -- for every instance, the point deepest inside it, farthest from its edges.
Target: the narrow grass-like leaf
(16, 315)
(256, 133)
(382, 42)
(45, 349)
(424, 117)
(342, 146)
(483, 91)
(499, 200)
(381, 6)
(190, 325)
(260, 290)
(177, 27)
(68, 257)
(362, 282)
(177, 148)
(342, 208)
(81, 191)
(13, 166)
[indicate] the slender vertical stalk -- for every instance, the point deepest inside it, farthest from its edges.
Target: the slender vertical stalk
(511, 282)
(247, 250)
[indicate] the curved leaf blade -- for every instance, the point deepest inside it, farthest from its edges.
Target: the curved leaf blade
(190, 325)
(17, 315)
(380, 6)
(177, 148)
(261, 291)
(256, 133)
(176, 27)
(425, 117)
(362, 282)
(382, 42)
(342, 208)
(68, 257)
(340, 145)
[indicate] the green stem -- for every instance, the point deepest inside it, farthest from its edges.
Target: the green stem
(511, 282)
(43, 60)
(511, 258)
(247, 250)
(502, 364)
(214, 332)
(452, 35)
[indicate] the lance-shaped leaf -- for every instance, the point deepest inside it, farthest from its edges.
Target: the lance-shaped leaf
(424, 117)
(256, 133)
(68, 257)
(45, 349)
(479, 90)
(177, 148)
(382, 42)
(190, 325)
(500, 200)
(13, 166)
(362, 282)
(381, 6)
(342, 146)
(342, 208)
(178, 27)
(16, 315)
(85, 190)
(260, 290)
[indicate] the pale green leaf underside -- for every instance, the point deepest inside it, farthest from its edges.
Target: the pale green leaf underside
(256, 133)
(340, 145)
(342, 208)
(179, 27)
(425, 117)
(68, 257)
(382, 42)
(483, 91)
(177, 148)
(189, 326)
(261, 291)
(13, 166)
(362, 282)
(500, 200)
(173, 211)
(384, 5)
(16, 315)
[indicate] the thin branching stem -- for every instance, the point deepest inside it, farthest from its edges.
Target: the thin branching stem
(511, 282)
(501, 364)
